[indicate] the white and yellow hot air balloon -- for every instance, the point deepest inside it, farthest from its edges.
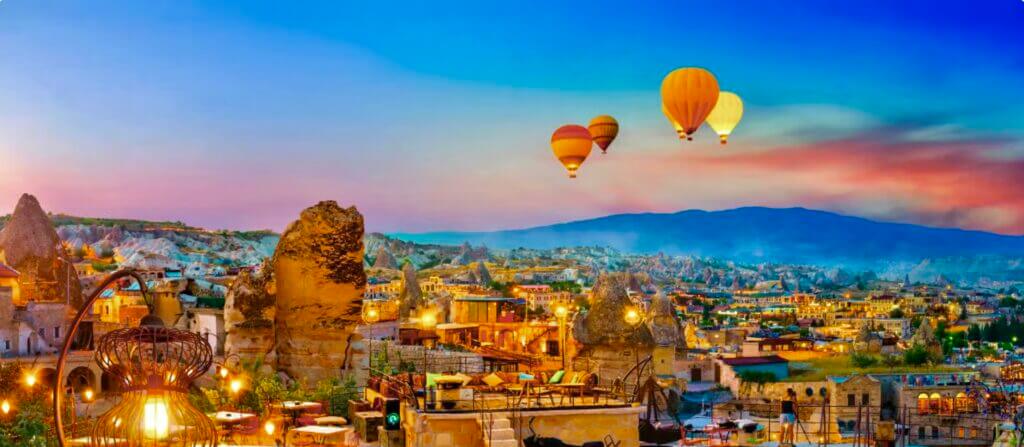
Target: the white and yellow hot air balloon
(726, 115)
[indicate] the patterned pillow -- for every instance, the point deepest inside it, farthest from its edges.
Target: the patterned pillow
(556, 377)
(493, 380)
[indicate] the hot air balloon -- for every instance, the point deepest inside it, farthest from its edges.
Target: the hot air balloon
(726, 115)
(571, 144)
(604, 129)
(679, 129)
(688, 95)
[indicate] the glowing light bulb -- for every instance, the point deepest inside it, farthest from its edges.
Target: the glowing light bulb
(155, 418)
(236, 386)
(632, 316)
(87, 395)
(30, 380)
(223, 372)
(5, 407)
(428, 320)
(269, 428)
(561, 311)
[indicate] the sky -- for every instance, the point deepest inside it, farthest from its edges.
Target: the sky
(437, 115)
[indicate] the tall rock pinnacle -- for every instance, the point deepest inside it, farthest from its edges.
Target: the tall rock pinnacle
(411, 296)
(319, 278)
(30, 244)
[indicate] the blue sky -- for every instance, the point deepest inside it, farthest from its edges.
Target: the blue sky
(436, 115)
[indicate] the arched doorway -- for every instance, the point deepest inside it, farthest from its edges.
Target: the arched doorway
(81, 378)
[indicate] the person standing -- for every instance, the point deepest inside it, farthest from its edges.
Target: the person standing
(787, 418)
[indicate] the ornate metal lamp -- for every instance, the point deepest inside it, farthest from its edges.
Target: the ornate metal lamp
(154, 366)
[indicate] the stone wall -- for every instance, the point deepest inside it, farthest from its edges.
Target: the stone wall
(571, 426)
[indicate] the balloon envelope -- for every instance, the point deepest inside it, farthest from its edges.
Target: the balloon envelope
(688, 95)
(604, 129)
(726, 115)
(571, 144)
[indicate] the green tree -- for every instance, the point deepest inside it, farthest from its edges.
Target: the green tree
(915, 355)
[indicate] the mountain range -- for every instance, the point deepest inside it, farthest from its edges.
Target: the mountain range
(756, 234)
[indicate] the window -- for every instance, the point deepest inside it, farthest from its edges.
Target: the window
(865, 399)
(935, 432)
(920, 432)
(42, 333)
(934, 403)
(922, 404)
(7, 345)
(851, 400)
(56, 332)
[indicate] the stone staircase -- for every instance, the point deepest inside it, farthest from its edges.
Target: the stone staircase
(497, 430)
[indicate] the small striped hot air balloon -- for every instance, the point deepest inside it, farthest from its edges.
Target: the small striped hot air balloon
(571, 144)
(604, 129)
(688, 95)
(726, 115)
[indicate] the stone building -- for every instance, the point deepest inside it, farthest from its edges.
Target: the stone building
(938, 414)
(856, 404)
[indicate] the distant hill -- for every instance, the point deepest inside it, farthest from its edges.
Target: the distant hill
(753, 234)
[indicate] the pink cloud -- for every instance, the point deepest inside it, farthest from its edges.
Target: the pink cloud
(961, 183)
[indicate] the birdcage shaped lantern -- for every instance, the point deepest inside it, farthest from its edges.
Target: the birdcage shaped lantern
(154, 367)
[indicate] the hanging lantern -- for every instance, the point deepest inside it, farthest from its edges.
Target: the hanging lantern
(154, 366)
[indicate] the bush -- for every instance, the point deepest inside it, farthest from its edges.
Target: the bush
(862, 360)
(336, 394)
(915, 356)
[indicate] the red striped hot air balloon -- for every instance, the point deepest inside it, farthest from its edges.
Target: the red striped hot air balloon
(688, 96)
(571, 144)
(604, 129)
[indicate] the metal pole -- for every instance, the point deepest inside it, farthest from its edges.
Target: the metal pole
(58, 393)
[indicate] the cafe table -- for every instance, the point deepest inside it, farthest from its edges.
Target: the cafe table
(320, 432)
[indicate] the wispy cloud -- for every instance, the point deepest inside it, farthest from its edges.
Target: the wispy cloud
(924, 175)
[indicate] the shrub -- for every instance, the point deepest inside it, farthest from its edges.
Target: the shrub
(863, 360)
(335, 394)
(916, 355)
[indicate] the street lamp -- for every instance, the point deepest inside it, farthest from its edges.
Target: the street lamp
(428, 321)
(633, 319)
(562, 312)
(155, 366)
(31, 379)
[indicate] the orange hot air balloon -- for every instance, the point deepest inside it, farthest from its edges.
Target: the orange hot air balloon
(675, 125)
(571, 144)
(689, 95)
(604, 129)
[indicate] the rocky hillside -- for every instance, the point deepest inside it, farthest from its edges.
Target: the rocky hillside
(144, 244)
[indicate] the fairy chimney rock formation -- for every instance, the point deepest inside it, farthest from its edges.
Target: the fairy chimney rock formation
(249, 313)
(604, 323)
(663, 323)
(384, 259)
(410, 296)
(482, 274)
(29, 244)
(319, 277)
